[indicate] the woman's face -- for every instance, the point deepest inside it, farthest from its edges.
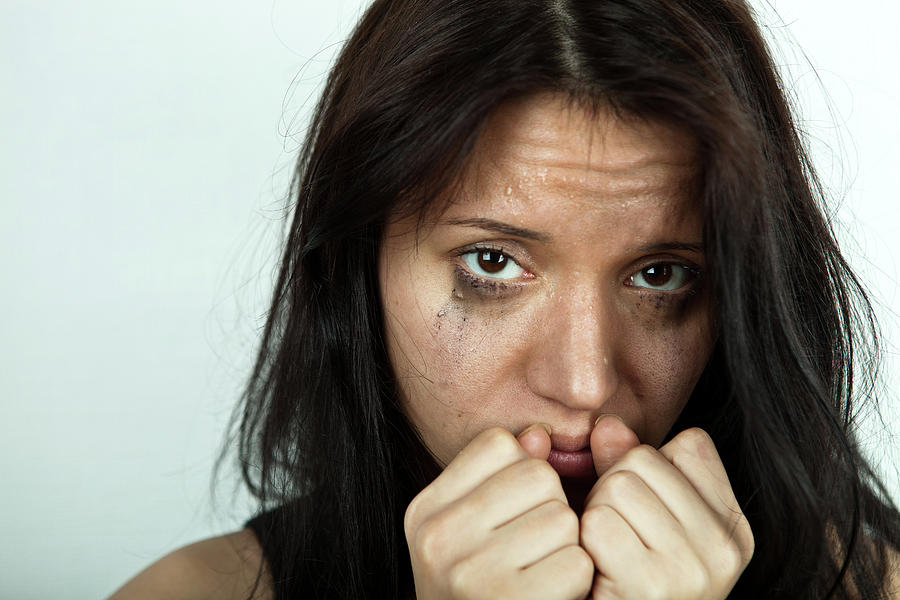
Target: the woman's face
(560, 284)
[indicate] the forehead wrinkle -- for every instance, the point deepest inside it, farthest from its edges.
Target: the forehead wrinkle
(613, 158)
(656, 178)
(622, 143)
(573, 156)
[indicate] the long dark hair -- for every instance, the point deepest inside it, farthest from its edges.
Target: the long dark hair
(319, 430)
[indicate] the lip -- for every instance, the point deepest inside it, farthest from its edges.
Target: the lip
(573, 464)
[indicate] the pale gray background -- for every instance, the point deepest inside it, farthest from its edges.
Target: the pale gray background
(144, 156)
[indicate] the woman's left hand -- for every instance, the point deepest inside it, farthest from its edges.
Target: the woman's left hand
(663, 523)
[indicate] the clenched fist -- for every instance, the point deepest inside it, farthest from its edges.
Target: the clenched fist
(662, 523)
(656, 524)
(496, 524)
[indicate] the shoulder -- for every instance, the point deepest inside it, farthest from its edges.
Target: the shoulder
(891, 582)
(223, 567)
(893, 578)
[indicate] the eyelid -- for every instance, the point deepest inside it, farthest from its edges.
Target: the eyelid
(663, 259)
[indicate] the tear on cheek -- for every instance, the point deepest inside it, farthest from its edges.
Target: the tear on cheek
(452, 310)
(461, 331)
(449, 324)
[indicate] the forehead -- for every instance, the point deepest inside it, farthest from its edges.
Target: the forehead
(594, 161)
(548, 129)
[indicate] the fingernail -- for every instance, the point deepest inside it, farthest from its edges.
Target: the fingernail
(544, 425)
(608, 415)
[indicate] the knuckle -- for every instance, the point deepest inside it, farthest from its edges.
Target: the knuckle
(563, 518)
(696, 580)
(654, 588)
(594, 519)
(639, 456)
(695, 441)
(459, 579)
(429, 541)
(731, 560)
(411, 517)
(541, 475)
(748, 547)
(696, 436)
(619, 485)
(737, 539)
(582, 564)
(500, 441)
(642, 453)
(468, 578)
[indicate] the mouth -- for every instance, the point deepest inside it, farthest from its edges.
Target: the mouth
(572, 464)
(571, 458)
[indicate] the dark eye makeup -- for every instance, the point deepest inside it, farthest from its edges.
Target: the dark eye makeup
(664, 279)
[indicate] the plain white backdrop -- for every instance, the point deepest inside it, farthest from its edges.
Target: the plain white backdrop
(146, 149)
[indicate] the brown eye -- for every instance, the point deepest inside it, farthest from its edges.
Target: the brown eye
(662, 277)
(657, 275)
(492, 262)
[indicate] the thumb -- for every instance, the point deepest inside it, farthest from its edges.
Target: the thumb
(536, 440)
(611, 438)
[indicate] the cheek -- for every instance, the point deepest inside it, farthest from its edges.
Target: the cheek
(663, 361)
(448, 353)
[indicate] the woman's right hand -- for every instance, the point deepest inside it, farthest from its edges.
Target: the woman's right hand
(496, 524)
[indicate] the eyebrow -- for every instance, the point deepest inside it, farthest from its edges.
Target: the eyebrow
(698, 248)
(504, 228)
(507, 229)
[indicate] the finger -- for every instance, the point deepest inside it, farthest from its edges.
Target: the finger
(611, 438)
(694, 454)
(504, 498)
(667, 483)
(705, 529)
(605, 588)
(566, 574)
(536, 440)
(489, 452)
(644, 555)
(532, 536)
(612, 544)
(644, 512)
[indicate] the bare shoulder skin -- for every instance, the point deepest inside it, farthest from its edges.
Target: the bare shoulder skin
(893, 586)
(223, 567)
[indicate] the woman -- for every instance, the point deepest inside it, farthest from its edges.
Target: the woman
(559, 314)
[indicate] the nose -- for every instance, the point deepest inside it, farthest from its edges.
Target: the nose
(572, 359)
